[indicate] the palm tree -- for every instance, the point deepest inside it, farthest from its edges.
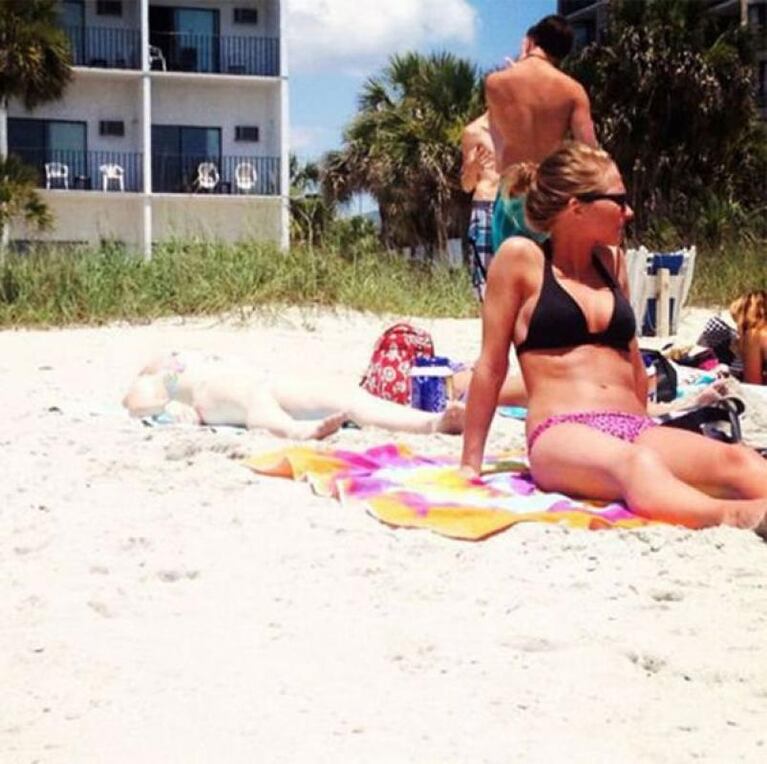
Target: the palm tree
(35, 57)
(19, 196)
(35, 64)
(403, 147)
(310, 211)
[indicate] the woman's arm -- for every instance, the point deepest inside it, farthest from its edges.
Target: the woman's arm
(753, 357)
(503, 298)
(640, 373)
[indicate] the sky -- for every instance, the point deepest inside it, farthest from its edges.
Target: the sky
(335, 45)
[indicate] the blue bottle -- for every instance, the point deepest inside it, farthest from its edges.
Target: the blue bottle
(430, 383)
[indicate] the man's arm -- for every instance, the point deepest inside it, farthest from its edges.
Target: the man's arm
(495, 113)
(581, 124)
(470, 165)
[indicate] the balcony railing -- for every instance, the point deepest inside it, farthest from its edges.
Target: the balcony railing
(105, 48)
(84, 170)
(216, 54)
(176, 174)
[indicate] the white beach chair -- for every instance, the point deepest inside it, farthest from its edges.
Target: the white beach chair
(662, 286)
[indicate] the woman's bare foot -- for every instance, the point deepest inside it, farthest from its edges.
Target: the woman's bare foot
(452, 420)
(320, 429)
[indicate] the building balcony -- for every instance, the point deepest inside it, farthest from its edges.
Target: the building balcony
(567, 7)
(84, 170)
(179, 52)
(241, 175)
(105, 48)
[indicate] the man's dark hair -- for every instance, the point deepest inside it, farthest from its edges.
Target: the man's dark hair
(553, 35)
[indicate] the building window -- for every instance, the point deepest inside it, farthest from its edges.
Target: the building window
(112, 127)
(245, 16)
(188, 37)
(246, 133)
(177, 153)
(584, 33)
(39, 141)
(109, 7)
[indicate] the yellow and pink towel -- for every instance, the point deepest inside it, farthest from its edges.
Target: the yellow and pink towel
(403, 489)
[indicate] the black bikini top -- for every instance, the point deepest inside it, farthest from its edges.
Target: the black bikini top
(558, 321)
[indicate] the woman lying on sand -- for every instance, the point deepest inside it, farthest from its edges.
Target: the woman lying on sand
(564, 306)
(750, 314)
(195, 389)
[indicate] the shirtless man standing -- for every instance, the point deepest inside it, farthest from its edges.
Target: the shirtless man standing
(532, 107)
(480, 179)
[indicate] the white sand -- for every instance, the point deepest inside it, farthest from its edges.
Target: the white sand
(163, 604)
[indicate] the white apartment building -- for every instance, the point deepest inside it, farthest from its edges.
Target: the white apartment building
(589, 17)
(175, 124)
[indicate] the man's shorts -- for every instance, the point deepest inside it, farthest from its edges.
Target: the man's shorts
(509, 220)
(480, 236)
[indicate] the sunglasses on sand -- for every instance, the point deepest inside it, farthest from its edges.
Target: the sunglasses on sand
(594, 196)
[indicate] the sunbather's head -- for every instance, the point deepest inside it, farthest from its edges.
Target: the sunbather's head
(578, 182)
(749, 311)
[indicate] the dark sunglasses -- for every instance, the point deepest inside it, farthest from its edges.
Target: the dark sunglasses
(594, 196)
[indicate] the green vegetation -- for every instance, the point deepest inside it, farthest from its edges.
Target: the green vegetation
(728, 270)
(403, 148)
(673, 98)
(35, 68)
(53, 287)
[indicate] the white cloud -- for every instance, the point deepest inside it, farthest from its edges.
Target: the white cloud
(353, 35)
(307, 140)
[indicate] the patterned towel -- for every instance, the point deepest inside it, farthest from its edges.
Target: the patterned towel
(401, 488)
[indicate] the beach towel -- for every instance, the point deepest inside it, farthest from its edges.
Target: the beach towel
(405, 489)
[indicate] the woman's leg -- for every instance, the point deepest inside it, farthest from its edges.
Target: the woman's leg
(578, 460)
(719, 469)
(321, 397)
(264, 411)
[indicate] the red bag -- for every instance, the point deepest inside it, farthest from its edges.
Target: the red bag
(387, 375)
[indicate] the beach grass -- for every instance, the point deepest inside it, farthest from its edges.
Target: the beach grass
(57, 286)
(60, 286)
(725, 271)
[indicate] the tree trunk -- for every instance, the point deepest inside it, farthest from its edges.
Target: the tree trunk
(3, 128)
(5, 232)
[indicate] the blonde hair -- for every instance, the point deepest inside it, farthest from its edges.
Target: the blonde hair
(749, 311)
(573, 169)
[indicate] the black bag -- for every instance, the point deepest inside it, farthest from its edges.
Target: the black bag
(665, 374)
(713, 421)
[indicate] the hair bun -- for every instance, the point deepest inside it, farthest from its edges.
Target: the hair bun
(522, 177)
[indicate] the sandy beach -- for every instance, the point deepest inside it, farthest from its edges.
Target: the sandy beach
(164, 604)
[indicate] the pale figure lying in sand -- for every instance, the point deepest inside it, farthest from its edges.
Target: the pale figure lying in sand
(198, 389)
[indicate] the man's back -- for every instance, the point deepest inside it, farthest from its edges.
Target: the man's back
(532, 107)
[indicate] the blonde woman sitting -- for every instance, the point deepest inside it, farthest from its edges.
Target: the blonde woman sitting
(564, 306)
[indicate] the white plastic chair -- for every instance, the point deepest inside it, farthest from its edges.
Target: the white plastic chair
(112, 173)
(245, 177)
(207, 176)
(56, 171)
(156, 56)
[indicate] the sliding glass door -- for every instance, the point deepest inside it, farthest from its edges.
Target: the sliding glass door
(177, 153)
(188, 37)
(41, 141)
